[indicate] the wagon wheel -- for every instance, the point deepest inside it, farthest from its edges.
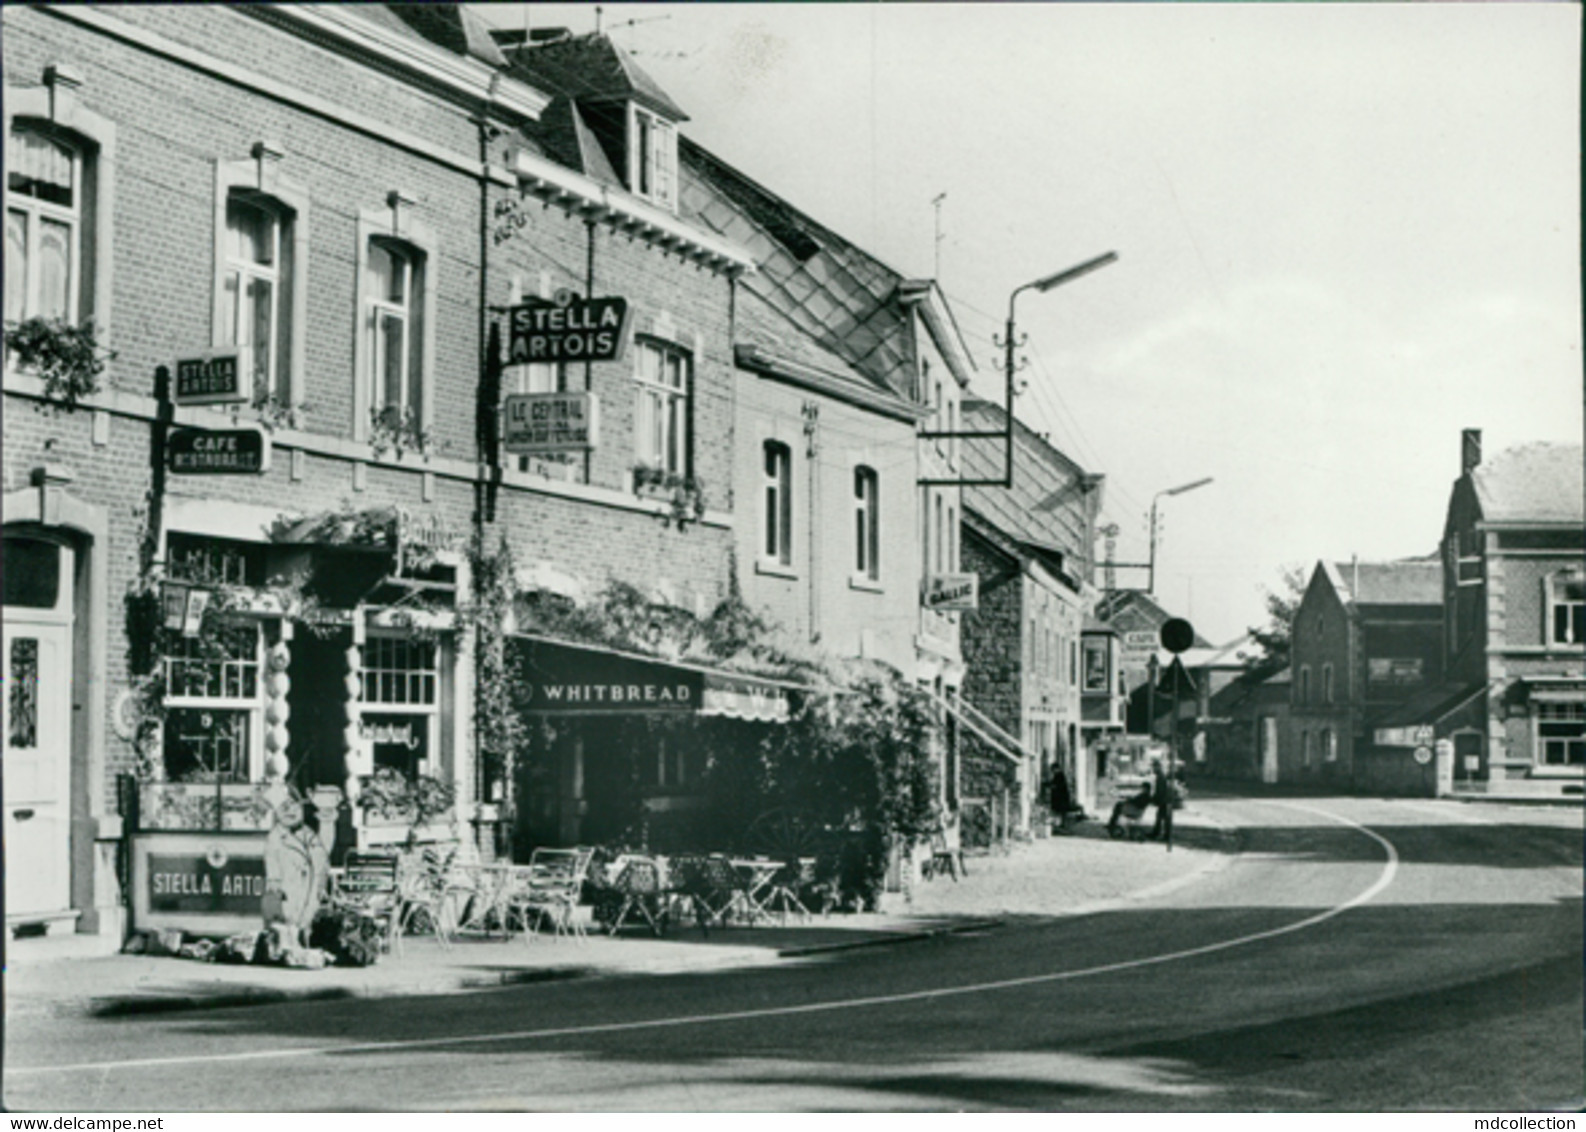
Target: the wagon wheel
(786, 834)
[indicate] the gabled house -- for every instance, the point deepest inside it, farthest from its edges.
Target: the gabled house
(1364, 641)
(1514, 597)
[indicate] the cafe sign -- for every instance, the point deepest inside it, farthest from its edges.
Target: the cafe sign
(218, 452)
(1418, 736)
(217, 377)
(567, 329)
(540, 424)
(952, 591)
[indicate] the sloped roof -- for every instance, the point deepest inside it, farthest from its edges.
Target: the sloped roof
(451, 26)
(1409, 581)
(759, 323)
(562, 135)
(1047, 504)
(1539, 481)
(591, 67)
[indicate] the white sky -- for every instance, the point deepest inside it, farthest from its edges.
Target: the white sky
(1346, 231)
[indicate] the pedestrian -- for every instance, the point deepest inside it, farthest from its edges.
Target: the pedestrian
(1133, 808)
(1062, 799)
(1162, 794)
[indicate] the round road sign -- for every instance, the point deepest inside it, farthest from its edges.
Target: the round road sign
(1423, 755)
(1177, 635)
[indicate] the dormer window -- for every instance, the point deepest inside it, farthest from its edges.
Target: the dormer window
(652, 157)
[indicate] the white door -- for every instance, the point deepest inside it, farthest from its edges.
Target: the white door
(1269, 749)
(37, 729)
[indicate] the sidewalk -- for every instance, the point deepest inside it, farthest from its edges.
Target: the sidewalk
(1068, 875)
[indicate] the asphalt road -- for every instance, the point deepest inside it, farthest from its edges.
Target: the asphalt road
(1358, 955)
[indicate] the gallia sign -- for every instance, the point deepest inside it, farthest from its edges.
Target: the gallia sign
(952, 591)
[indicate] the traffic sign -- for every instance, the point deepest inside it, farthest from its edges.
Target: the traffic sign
(1177, 635)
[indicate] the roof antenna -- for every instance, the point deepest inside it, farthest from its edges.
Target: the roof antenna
(936, 203)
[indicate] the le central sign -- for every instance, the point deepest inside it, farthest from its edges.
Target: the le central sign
(544, 423)
(567, 329)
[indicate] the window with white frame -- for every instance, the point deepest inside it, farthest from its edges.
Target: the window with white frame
(776, 520)
(256, 280)
(44, 222)
(1329, 746)
(867, 523)
(1566, 607)
(400, 707)
(652, 170)
(212, 706)
(394, 310)
(661, 417)
(1561, 734)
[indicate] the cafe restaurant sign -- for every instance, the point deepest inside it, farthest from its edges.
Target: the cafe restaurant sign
(218, 452)
(540, 424)
(565, 679)
(216, 377)
(567, 329)
(951, 591)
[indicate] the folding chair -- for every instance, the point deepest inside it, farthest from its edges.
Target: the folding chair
(947, 853)
(639, 884)
(549, 888)
(370, 887)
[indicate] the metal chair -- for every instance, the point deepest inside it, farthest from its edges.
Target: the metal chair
(369, 885)
(639, 884)
(549, 888)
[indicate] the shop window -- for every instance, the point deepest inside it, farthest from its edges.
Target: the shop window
(867, 523)
(212, 704)
(777, 518)
(400, 706)
(652, 172)
(204, 560)
(662, 433)
(1566, 600)
(44, 224)
(1561, 734)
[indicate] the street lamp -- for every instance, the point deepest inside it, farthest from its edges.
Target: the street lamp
(1180, 490)
(1009, 365)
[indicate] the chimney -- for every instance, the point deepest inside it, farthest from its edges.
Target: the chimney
(1469, 451)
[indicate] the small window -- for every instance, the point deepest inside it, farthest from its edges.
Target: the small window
(1566, 609)
(1305, 748)
(777, 518)
(1329, 746)
(31, 573)
(661, 418)
(653, 170)
(941, 537)
(867, 523)
(44, 211)
(1302, 689)
(1327, 683)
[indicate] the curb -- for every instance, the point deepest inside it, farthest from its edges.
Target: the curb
(890, 939)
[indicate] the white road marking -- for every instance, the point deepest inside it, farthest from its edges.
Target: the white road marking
(1384, 879)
